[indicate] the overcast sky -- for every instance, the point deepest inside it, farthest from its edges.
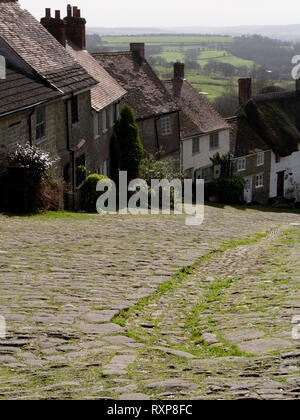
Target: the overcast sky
(158, 13)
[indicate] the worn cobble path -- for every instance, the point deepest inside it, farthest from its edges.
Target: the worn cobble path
(63, 283)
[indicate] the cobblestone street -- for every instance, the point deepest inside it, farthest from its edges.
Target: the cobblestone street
(130, 307)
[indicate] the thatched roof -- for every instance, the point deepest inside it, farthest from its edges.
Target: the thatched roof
(276, 118)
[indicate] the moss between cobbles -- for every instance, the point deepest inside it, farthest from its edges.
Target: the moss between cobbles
(214, 294)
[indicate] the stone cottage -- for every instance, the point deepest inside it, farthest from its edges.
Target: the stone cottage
(274, 123)
(203, 132)
(106, 96)
(46, 97)
(156, 112)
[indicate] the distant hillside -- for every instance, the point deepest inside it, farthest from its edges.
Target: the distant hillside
(281, 32)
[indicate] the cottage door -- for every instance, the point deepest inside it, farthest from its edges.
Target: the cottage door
(248, 190)
(280, 184)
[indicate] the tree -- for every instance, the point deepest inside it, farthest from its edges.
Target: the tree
(127, 141)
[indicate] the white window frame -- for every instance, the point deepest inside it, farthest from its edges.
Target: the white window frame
(260, 159)
(241, 164)
(104, 121)
(96, 125)
(259, 181)
(166, 126)
(212, 138)
(111, 116)
(196, 150)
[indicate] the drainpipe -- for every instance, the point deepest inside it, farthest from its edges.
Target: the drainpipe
(72, 154)
(30, 125)
(157, 138)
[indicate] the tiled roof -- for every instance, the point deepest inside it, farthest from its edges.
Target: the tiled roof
(19, 91)
(146, 95)
(197, 116)
(244, 140)
(31, 42)
(107, 91)
(275, 117)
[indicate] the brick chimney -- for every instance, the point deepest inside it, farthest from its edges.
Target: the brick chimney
(138, 48)
(75, 26)
(55, 26)
(245, 90)
(179, 71)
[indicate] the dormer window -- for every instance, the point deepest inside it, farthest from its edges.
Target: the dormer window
(260, 159)
(241, 165)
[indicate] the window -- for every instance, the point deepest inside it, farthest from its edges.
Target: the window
(260, 159)
(166, 128)
(104, 121)
(241, 165)
(103, 169)
(205, 173)
(40, 124)
(111, 116)
(96, 125)
(118, 108)
(259, 181)
(196, 146)
(74, 109)
(80, 170)
(214, 141)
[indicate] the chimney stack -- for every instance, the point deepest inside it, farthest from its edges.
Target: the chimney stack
(179, 71)
(55, 26)
(75, 26)
(138, 48)
(245, 90)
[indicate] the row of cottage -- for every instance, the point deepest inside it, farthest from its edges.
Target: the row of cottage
(58, 96)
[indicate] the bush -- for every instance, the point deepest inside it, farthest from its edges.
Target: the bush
(89, 193)
(152, 168)
(230, 189)
(128, 142)
(22, 184)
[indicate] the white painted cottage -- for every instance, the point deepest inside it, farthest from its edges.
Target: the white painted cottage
(203, 131)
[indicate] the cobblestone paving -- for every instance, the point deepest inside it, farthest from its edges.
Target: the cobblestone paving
(63, 283)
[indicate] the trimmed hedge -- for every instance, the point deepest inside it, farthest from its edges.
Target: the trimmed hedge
(89, 193)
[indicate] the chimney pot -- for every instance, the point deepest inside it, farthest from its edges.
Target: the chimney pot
(69, 10)
(48, 13)
(75, 26)
(245, 90)
(179, 71)
(139, 48)
(56, 26)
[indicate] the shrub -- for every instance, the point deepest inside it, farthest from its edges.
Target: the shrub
(89, 193)
(36, 161)
(128, 142)
(27, 169)
(152, 168)
(230, 189)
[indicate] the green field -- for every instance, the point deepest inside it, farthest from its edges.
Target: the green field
(163, 50)
(166, 39)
